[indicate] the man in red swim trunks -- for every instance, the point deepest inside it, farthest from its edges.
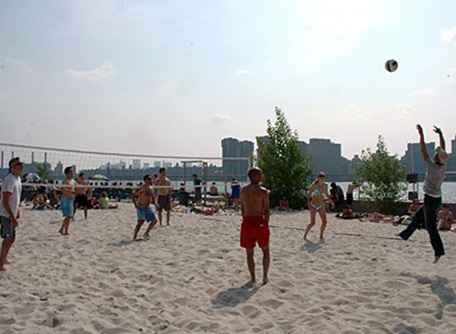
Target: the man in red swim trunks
(255, 222)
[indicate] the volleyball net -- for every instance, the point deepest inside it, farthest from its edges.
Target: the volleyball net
(44, 166)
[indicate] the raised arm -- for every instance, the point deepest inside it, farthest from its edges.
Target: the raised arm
(424, 152)
(440, 133)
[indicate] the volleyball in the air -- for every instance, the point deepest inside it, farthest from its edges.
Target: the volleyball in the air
(391, 65)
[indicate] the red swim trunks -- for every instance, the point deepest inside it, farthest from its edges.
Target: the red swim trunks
(254, 230)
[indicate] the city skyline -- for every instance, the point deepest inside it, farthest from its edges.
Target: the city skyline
(325, 155)
(98, 74)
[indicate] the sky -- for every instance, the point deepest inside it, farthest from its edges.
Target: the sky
(174, 77)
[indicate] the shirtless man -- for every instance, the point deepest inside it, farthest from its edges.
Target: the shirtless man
(164, 195)
(67, 200)
(254, 201)
(81, 200)
(142, 199)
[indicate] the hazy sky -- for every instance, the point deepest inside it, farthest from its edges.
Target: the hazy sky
(176, 76)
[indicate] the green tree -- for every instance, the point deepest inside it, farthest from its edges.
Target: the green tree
(382, 176)
(42, 170)
(285, 168)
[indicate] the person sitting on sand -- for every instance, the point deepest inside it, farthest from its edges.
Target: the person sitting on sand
(413, 207)
(446, 219)
(318, 198)
(142, 199)
(254, 200)
(337, 197)
(350, 189)
(40, 200)
(213, 190)
(347, 213)
(105, 202)
(377, 217)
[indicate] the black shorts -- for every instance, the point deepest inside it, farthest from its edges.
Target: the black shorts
(81, 201)
(7, 229)
(164, 202)
(350, 199)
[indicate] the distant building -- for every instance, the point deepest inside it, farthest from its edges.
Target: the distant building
(146, 165)
(232, 148)
(324, 156)
(58, 169)
(157, 164)
(136, 164)
(167, 164)
(413, 161)
(355, 163)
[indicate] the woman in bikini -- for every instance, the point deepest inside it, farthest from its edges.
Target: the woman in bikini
(318, 197)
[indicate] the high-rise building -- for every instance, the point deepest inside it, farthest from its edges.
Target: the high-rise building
(413, 161)
(324, 156)
(246, 152)
(239, 155)
(59, 168)
(136, 164)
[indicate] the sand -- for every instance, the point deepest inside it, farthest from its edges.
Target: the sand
(188, 278)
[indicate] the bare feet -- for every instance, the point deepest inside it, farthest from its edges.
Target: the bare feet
(437, 258)
(322, 240)
(146, 236)
(61, 232)
(265, 280)
(2, 268)
(6, 262)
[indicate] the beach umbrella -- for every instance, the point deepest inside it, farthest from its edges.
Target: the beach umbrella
(99, 177)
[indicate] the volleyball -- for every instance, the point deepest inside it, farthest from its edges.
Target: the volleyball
(391, 65)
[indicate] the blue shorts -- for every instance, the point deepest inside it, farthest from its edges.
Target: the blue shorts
(7, 230)
(67, 207)
(146, 214)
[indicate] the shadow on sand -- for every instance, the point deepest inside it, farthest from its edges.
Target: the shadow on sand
(233, 296)
(440, 288)
(122, 243)
(311, 247)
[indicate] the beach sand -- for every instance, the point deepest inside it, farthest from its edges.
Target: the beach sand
(188, 278)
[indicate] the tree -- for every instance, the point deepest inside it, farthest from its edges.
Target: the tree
(42, 170)
(285, 168)
(382, 176)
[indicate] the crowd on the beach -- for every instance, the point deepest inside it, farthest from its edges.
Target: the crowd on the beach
(156, 194)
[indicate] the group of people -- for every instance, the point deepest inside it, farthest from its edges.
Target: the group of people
(253, 200)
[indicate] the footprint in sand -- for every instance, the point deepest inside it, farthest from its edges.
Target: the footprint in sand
(250, 311)
(272, 303)
(7, 320)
